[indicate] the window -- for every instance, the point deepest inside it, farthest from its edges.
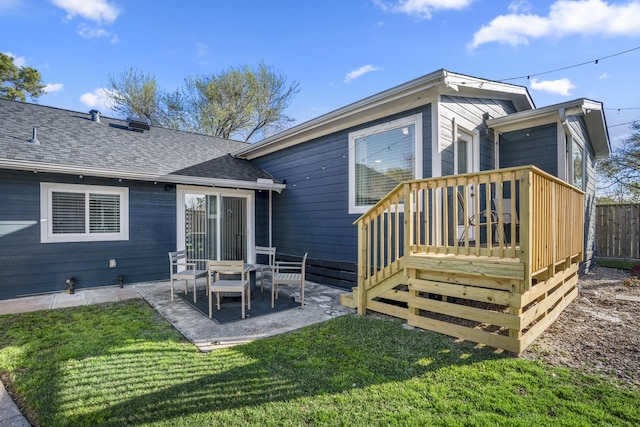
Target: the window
(380, 157)
(79, 213)
(577, 163)
(215, 223)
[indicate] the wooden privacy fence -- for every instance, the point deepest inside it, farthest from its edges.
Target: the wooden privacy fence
(617, 231)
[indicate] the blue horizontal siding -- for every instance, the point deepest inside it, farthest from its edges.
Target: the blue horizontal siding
(533, 146)
(31, 267)
(312, 214)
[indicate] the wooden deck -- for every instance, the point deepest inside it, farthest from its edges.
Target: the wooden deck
(497, 269)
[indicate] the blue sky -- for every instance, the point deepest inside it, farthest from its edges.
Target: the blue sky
(339, 51)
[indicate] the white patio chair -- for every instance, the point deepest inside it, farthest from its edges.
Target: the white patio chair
(185, 269)
(220, 270)
(288, 273)
(267, 253)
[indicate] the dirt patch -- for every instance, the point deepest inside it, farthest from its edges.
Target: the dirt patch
(597, 333)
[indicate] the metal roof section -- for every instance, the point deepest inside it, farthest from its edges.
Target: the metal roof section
(93, 145)
(418, 92)
(592, 111)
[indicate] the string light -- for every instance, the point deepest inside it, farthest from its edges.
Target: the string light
(570, 66)
(409, 105)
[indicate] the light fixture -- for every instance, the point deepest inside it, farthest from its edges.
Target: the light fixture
(405, 131)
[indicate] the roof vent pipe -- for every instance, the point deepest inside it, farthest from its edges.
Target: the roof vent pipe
(34, 138)
(95, 116)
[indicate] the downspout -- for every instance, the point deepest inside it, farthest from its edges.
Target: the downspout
(568, 139)
(270, 218)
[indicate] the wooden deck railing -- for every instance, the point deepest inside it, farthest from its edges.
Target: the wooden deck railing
(519, 213)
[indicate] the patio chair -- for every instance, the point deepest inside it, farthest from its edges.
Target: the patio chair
(267, 253)
(288, 273)
(482, 220)
(221, 270)
(182, 268)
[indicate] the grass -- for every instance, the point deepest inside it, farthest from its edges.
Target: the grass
(121, 364)
(615, 263)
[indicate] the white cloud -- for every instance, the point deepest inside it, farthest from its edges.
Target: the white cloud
(560, 86)
(565, 18)
(53, 87)
(93, 10)
(604, 76)
(97, 99)
(519, 6)
(92, 32)
(18, 61)
(421, 8)
(352, 75)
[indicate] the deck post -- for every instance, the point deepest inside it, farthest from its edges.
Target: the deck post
(526, 224)
(408, 218)
(362, 267)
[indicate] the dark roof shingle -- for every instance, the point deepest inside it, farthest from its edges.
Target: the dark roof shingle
(71, 139)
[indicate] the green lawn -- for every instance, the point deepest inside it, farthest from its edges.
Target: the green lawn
(614, 263)
(121, 364)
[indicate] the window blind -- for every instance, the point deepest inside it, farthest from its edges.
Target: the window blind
(383, 160)
(104, 213)
(68, 211)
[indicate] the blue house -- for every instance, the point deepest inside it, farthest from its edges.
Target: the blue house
(95, 198)
(92, 198)
(440, 124)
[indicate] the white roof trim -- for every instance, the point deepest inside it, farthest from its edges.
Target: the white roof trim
(386, 103)
(592, 111)
(260, 184)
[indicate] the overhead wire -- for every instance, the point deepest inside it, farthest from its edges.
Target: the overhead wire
(593, 61)
(528, 76)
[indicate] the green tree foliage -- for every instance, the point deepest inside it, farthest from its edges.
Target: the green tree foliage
(240, 102)
(18, 82)
(134, 95)
(621, 171)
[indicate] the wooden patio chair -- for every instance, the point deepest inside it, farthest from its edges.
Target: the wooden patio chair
(267, 253)
(221, 270)
(182, 268)
(288, 273)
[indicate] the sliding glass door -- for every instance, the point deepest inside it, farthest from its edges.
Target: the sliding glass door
(215, 225)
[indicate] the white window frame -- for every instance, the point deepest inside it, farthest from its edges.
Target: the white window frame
(415, 120)
(46, 213)
(182, 190)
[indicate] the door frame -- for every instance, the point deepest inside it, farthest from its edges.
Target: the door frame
(472, 140)
(181, 190)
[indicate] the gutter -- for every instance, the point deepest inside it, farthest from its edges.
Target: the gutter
(35, 167)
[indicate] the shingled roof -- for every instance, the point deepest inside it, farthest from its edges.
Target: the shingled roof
(71, 142)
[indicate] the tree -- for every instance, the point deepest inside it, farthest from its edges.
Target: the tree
(240, 103)
(18, 82)
(134, 95)
(621, 171)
